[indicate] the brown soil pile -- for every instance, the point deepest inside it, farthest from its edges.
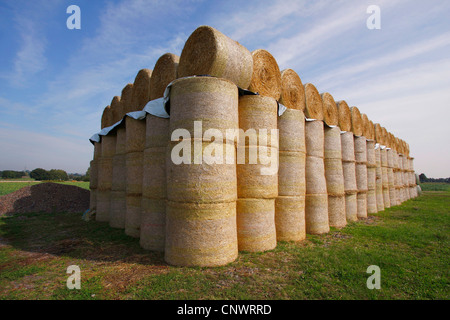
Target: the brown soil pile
(45, 197)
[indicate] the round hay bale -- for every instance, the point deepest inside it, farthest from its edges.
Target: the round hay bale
(316, 213)
(104, 173)
(291, 131)
(256, 224)
(117, 111)
(154, 173)
(361, 177)
(344, 116)
(361, 199)
(314, 138)
(134, 169)
(97, 150)
(336, 211)
(371, 178)
(371, 200)
(207, 51)
(292, 90)
(252, 182)
(118, 209)
(370, 154)
(315, 176)
(153, 224)
(141, 90)
(347, 146)
(199, 234)
(291, 174)
(314, 105)
(108, 146)
(103, 205)
(332, 143)
(164, 72)
(349, 170)
(200, 179)
(212, 101)
(157, 132)
(258, 113)
(121, 141)
(119, 173)
(351, 207)
(361, 150)
(330, 110)
(107, 117)
(135, 135)
(290, 218)
(133, 215)
(371, 131)
(384, 136)
(334, 175)
(126, 98)
(266, 76)
(378, 133)
(379, 181)
(365, 126)
(357, 128)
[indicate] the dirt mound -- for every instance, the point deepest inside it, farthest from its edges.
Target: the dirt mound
(45, 197)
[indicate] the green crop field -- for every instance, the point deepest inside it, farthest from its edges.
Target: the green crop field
(409, 243)
(9, 187)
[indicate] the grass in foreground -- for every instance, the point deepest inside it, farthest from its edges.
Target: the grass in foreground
(409, 243)
(9, 187)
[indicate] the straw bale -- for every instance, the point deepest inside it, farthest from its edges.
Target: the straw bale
(351, 207)
(251, 182)
(314, 138)
(141, 90)
(357, 127)
(97, 150)
(109, 146)
(107, 117)
(121, 140)
(290, 218)
(371, 177)
(336, 211)
(118, 209)
(291, 126)
(365, 125)
(134, 169)
(330, 110)
(258, 112)
(334, 175)
(256, 224)
(378, 134)
(157, 132)
(103, 205)
(315, 176)
(291, 174)
(314, 105)
(370, 154)
(104, 173)
(349, 170)
(266, 76)
(379, 181)
(371, 131)
(212, 101)
(126, 98)
(361, 177)
(203, 235)
(117, 110)
(344, 116)
(207, 51)
(372, 201)
(202, 180)
(135, 135)
(316, 213)
(292, 90)
(332, 143)
(133, 215)
(384, 136)
(361, 198)
(347, 146)
(154, 173)
(153, 224)
(119, 173)
(164, 72)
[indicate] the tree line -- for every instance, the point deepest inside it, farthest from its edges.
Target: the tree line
(45, 175)
(423, 178)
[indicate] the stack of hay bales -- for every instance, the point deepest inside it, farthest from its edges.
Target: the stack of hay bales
(135, 145)
(290, 203)
(361, 162)
(154, 191)
(334, 174)
(105, 164)
(379, 178)
(390, 154)
(316, 205)
(201, 192)
(371, 165)
(348, 161)
(384, 164)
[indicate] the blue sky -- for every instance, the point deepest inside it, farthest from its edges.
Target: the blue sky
(55, 82)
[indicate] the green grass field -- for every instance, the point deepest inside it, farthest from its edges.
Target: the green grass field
(9, 187)
(410, 244)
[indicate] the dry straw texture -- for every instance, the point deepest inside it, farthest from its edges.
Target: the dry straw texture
(118, 209)
(134, 170)
(348, 146)
(351, 207)
(119, 173)
(314, 106)
(108, 146)
(291, 174)
(357, 127)
(315, 176)
(256, 224)
(365, 125)
(292, 90)
(256, 113)
(316, 214)
(201, 179)
(107, 117)
(371, 177)
(378, 133)
(266, 77)
(202, 235)
(156, 132)
(133, 215)
(121, 140)
(332, 143)
(153, 224)
(154, 173)
(344, 116)
(330, 110)
(290, 218)
(135, 135)
(334, 175)
(314, 138)
(291, 126)
(141, 90)
(105, 167)
(210, 100)
(362, 205)
(336, 211)
(126, 98)
(379, 181)
(251, 181)
(209, 52)
(385, 179)
(164, 72)
(117, 110)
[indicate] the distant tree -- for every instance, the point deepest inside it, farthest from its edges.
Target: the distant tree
(57, 174)
(40, 174)
(423, 178)
(11, 174)
(87, 176)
